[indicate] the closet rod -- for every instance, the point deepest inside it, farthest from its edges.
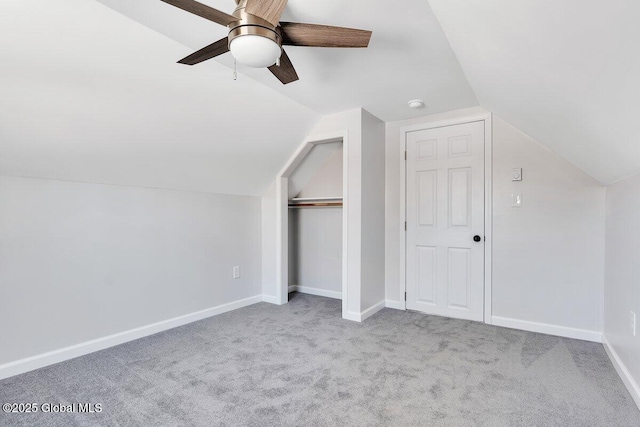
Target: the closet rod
(316, 199)
(316, 205)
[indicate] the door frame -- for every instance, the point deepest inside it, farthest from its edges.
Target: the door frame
(488, 197)
(282, 214)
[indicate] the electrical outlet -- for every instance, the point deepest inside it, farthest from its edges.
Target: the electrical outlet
(633, 323)
(236, 272)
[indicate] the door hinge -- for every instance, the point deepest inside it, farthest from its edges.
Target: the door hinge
(405, 155)
(405, 226)
(405, 296)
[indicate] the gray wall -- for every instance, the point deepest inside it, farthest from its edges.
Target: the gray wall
(548, 255)
(84, 261)
(622, 274)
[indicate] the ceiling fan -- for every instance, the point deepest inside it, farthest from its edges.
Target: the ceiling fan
(256, 35)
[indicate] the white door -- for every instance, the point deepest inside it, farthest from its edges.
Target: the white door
(445, 221)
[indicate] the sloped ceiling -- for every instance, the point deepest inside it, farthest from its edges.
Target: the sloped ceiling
(408, 56)
(87, 94)
(564, 72)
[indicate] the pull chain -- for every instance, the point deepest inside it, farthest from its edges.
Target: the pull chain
(235, 70)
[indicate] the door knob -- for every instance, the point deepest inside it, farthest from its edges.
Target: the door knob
(477, 238)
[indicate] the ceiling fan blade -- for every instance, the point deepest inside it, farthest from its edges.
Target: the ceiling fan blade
(298, 34)
(207, 52)
(203, 10)
(285, 72)
(269, 10)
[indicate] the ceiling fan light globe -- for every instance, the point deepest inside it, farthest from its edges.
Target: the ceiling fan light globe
(255, 51)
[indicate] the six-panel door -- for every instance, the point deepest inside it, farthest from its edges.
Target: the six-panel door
(445, 210)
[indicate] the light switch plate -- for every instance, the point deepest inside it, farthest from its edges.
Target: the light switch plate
(516, 174)
(516, 200)
(236, 272)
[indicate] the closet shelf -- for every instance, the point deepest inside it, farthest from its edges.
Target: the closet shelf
(314, 199)
(315, 202)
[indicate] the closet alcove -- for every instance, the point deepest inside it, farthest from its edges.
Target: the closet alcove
(315, 221)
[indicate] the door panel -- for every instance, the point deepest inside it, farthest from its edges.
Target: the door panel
(426, 195)
(427, 262)
(459, 270)
(445, 209)
(459, 197)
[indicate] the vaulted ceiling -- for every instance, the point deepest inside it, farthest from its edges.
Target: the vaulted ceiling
(564, 72)
(408, 57)
(91, 92)
(87, 94)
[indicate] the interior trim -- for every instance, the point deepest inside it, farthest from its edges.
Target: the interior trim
(549, 329)
(60, 355)
(623, 372)
(316, 291)
(488, 201)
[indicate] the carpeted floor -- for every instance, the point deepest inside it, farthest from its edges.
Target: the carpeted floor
(302, 365)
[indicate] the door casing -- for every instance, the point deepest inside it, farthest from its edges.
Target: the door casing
(282, 217)
(488, 197)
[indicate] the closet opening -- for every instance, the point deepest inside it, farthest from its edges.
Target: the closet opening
(315, 222)
(319, 170)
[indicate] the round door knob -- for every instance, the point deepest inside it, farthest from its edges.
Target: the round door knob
(477, 238)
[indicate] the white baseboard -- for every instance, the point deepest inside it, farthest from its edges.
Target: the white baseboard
(397, 305)
(364, 315)
(316, 291)
(545, 328)
(45, 359)
(622, 370)
(270, 299)
(372, 310)
(353, 316)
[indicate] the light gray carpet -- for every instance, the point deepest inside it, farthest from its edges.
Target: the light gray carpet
(302, 365)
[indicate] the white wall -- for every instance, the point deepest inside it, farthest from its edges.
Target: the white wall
(315, 250)
(547, 255)
(373, 199)
(83, 261)
(365, 198)
(327, 181)
(622, 279)
(302, 179)
(268, 216)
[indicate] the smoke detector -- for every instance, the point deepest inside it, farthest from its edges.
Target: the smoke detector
(416, 104)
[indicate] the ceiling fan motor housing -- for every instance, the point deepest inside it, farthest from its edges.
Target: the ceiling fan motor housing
(248, 24)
